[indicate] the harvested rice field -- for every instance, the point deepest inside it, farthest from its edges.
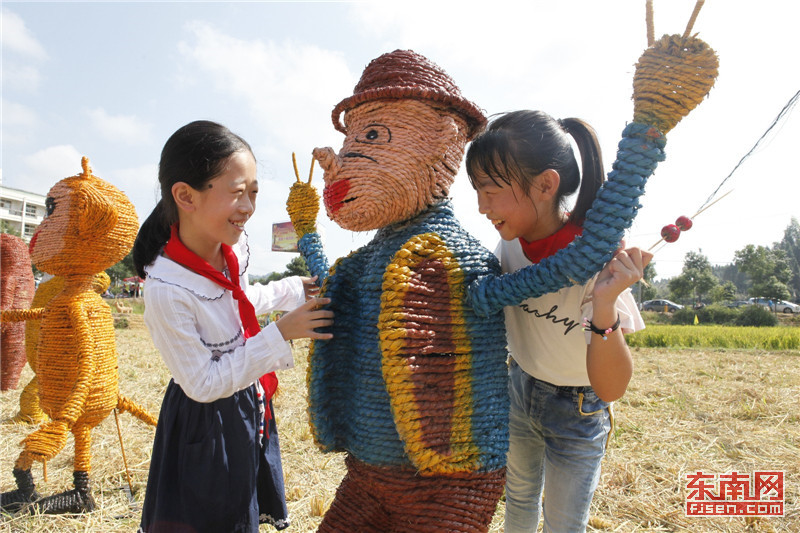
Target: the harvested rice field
(687, 410)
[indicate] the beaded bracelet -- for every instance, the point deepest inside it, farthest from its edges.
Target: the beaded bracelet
(588, 326)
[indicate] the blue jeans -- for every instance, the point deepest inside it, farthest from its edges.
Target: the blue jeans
(558, 437)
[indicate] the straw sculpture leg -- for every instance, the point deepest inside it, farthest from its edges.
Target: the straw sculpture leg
(464, 503)
(30, 412)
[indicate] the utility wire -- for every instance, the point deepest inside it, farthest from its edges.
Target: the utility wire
(785, 111)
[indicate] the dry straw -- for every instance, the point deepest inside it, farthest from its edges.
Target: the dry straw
(714, 410)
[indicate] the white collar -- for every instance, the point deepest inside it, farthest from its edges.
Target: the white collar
(169, 272)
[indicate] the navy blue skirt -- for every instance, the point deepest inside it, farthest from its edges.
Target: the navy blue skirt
(208, 473)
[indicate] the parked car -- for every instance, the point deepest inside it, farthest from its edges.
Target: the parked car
(659, 305)
(737, 304)
(763, 302)
(787, 307)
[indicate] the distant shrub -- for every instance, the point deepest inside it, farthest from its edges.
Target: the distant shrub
(719, 314)
(755, 315)
(684, 316)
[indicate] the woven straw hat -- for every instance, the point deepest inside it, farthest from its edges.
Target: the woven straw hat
(406, 74)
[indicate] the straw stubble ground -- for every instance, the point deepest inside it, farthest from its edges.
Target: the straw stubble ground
(685, 411)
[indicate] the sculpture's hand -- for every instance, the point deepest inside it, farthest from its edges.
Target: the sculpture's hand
(303, 206)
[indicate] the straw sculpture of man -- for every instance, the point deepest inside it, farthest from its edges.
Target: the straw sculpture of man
(90, 226)
(413, 385)
(16, 291)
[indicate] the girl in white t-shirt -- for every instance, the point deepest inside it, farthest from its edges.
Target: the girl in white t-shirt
(569, 356)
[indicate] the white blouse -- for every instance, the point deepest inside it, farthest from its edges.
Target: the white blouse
(195, 325)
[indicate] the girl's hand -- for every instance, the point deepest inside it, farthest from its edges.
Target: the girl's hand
(303, 321)
(310, 287)
(624, 269)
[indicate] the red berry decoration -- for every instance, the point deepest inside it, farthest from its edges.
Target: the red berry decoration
(670, 232)
(684, 223)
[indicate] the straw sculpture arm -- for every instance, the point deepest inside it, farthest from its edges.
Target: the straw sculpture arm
(46, 442)
(672, 76)
(21, 315)
(303, 206)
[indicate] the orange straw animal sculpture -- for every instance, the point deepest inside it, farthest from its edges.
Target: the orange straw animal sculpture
(90, 226)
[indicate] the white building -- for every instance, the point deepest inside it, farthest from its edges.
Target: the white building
(21, 211)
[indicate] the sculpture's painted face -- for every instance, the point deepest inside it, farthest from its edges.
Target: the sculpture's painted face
(398, 158)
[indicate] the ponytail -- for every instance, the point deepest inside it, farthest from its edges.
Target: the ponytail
(592, 172)
(520, 145)
(152, 236)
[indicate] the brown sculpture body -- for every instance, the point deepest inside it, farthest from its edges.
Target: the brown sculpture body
(16, 292)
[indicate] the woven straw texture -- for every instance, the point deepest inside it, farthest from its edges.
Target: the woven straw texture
(672, 77)
(90, 226)
(404, 74)
(374, 499)
(29, 409)
(413, 385)
(303, 206)
(16, 292)
(413, 377)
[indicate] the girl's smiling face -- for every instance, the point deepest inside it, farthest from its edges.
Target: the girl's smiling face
(230, 198)
(219, 211)
(510, 209)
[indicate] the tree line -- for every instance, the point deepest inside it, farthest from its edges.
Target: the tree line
(771, 272)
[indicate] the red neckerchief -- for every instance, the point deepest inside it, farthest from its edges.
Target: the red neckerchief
(537, 250)
(179, 253)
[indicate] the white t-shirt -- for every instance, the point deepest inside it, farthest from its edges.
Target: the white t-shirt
(545, 334)
(195, 325)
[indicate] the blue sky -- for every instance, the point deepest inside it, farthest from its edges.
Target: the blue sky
(112, 81)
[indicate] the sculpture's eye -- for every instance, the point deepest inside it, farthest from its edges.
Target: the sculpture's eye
(49, 206)
(374, 134)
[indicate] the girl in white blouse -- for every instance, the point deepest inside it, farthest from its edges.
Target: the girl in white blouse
(216, 455)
